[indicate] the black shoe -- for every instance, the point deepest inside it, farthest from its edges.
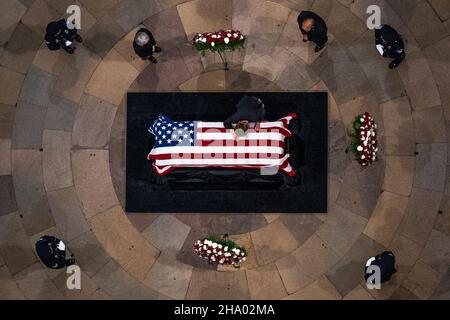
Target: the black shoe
(317, 49)
(70, 50)
(393, 65)
(153, 59)
(70, 262)
(158, 49)
(78, 38)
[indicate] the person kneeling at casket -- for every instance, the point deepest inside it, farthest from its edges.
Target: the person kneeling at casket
(249, 109)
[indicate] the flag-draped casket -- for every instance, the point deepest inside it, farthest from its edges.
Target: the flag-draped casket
(198, 144)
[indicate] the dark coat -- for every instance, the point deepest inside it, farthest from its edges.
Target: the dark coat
(318, 34)
(386, 263)
(146, 50)
(50, 255)
(57, 33)
(391, 41)
(247, 109)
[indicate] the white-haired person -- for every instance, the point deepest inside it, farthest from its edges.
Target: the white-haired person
(144, 45)
(52, 253)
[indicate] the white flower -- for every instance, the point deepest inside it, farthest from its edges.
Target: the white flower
(359, 148)
(219, 246)
(204, 40)
(243, 259)
(242, 37)
(227, 40)
(205, 247)
(229, 35)
(363, 157)
(214, 245)
(220, 253)
(373, 133)
(362, 119)
(235, 35)
(225, 249)
(212, 44)
(365, 143)
(243, 253)
(214, 36)
(363, 133)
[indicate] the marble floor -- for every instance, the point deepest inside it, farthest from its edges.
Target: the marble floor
(62, 159)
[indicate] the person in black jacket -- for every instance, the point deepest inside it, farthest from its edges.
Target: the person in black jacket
(386, 262)
(145, 45)
(390, 44)
(249, 109)
(313, 29)
(52, 252)
(59, 36)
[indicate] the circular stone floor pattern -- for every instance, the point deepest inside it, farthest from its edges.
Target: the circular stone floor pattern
(62, 142)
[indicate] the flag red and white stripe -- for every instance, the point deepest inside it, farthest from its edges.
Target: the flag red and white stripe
(215, 146)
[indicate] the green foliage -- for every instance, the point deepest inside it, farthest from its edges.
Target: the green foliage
(227, 243)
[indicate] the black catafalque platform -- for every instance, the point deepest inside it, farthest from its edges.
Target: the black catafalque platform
(222, 190)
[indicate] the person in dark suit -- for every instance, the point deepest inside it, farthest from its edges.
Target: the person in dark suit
(52, 252)
(386, 262)
(390, 44)
(145, 45)
(59, 36)
(313, 29)
(249, 109)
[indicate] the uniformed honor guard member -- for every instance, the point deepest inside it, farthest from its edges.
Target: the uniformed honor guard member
(59, 36)
(313, 29)
(386, 262)
(52, 252)
(390, 45)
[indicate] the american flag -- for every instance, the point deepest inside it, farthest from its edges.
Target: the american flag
(198, 144)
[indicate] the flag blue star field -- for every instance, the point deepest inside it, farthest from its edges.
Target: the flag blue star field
(209, 144)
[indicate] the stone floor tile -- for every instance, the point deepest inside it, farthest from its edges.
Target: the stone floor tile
(66, 210)
(438, 59)
(49, 61)
(436, 253)
(167, 28)
(99, 7)
(88, 287)
(264, 283)
(105, 84)
(99, 295)
(341, 229)
(129, 13)
(191, 58)
(301, 226)
(386, 84)
(210, 81)
(38, 15)
(386, 217)
(9, 289)
(30, 192)
(170, 72)
(20, 50)
(120, 285)
(430, 126)
(186, 253)
(93, 122)
(422, 281)
(7, 195)
(60, 114)
(123, 242)
(420, 215)
(5, 157)
(293, 276)
(321, 289)
(93, 181)
(425, 25)
(345, 26)
(333, 112)
(442, 8)
(29, 126)
(14, 246)
(205, 16)
(207, 284)
(244, 18)
(423, 93)
(141, 220)
(315, 257)
(346, 275)
(431, 166)
(442, 223)
(167, 233)
(89, 253)
(270, 21)
(37, 87)
(399, 175)
(56, 160)
(75, 74)
(7, 116)
(442, 291)
(296, 75)
(273, 242)
(169, 276)
(358, 293)
(11, 84)
(104, 34)
(403, 294)
(12, 11)
(359, 200)
(35, 284)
